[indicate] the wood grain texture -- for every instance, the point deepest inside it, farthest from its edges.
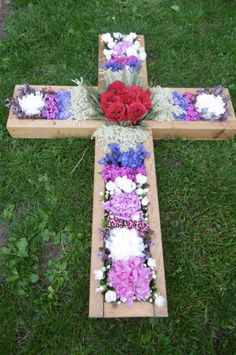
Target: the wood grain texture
(199, 130)
(96, 298)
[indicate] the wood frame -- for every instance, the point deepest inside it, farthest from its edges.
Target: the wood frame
(97, 307)
(198, 130)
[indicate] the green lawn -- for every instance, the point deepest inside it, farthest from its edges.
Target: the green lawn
(46, 209)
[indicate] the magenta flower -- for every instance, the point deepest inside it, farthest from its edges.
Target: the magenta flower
(125, 206)
(111, 172)
(131, 279)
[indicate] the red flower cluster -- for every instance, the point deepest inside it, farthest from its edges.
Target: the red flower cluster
(125, 104)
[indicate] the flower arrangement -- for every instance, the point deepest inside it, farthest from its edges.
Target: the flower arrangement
(45, 103)
(128, 274)
(125, 104)
(122, 51)
(210, 104)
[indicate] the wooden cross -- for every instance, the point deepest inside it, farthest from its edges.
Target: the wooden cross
(39, 128)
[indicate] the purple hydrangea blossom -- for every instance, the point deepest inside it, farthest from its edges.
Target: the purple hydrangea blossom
(63, 103)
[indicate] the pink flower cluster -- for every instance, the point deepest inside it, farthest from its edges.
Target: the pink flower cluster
(131, 279)
(111, 172)
(50, 110)
(191, 112)
(124, 205)
(127, 279)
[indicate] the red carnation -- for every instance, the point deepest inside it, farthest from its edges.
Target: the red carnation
(107, 99)
(117, 87)
(145, 100)
(136, 111)
(116, 112)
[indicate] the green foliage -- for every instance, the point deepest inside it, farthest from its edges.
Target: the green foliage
(51, 42)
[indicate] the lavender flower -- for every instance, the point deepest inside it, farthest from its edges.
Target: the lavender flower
(63, 104)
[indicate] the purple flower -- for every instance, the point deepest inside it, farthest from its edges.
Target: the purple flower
(125, 206)
(131, 279)
(63, 102)
(50, 110)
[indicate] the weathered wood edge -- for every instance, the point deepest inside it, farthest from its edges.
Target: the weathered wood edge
(96, 298)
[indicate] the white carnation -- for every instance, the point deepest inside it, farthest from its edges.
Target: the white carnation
(160, 301)
(111, 44)
(141, 179)
(125, 184)
(140, 191)
(145, 201)
(124, 243)
(130, 51)
(98, 274)
(142, 55)
(32, 104)
(107, 53)
(106, 37)
(117, 35)
(209, 105)
(151, 263)
(110, 296)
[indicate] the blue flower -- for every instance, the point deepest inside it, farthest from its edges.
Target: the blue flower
(63, 103)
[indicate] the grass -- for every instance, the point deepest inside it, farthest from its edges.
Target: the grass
(46, 210)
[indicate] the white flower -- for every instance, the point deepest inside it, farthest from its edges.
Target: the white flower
(131, 51)
(110, 296)
(142, 55)
(151, 263)
(160, 301)
(124, 243)
(125, 184)
(98, 274)
(145, 201)
(106, 37)
(136, 44)
(140, 191)
(117, 35)
(32, 104)
(146, 190)
(111, 44)
(131, 37)
(110, 186)
(209, 105)
(141, 179)
(107, 53)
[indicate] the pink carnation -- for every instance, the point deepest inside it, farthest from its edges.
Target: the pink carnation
(131, 279)
(125, 206)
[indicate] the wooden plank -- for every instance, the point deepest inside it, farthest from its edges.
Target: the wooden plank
(155, 225)
(198, 130)
(139, 309)
(96, 298)
(102, 59)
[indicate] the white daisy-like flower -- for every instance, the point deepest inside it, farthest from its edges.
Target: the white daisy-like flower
(209, 105)
(110, 296)
(160, 301)
(141, 179)
(98, 274)
(151, 263)
(145, 201)
(124, 243)
(125, 184)
(106, 37)
(32, 104)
